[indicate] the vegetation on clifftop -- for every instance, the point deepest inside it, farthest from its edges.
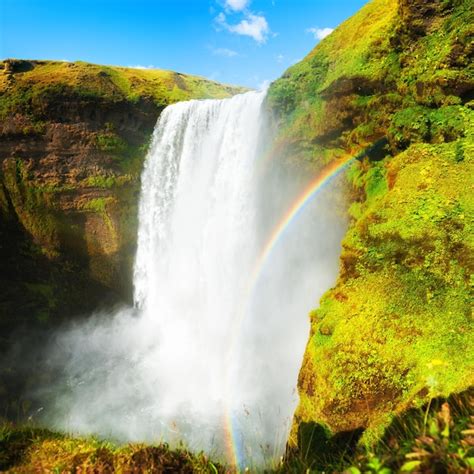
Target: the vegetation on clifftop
(26, 85)
(393, 85)
(391, 57)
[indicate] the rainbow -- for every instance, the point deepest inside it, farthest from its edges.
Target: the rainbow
(324, 178)
(295, 210)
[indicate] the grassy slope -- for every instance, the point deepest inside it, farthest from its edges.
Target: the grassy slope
(312, 124)
(438, 436)
(103, 82)
(396, 329)
(30, 449)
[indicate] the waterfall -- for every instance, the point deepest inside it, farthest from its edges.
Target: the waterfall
(196, 245)
(207, 356)
(197, 210)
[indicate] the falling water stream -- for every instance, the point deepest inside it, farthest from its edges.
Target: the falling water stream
(209, 355)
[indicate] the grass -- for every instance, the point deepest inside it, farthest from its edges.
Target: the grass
(437, 435)
(35, 81)
(30, 449)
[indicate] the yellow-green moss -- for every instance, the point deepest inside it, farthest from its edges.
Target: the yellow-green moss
(36, 80)
(28, 449)
(396, 328)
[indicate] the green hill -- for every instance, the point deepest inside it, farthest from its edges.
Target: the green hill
(25, 84)
(394, 85)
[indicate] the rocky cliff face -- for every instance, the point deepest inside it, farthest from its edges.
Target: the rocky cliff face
(394, 86)
(73, 137)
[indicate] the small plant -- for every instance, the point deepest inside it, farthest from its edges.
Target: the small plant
(443, 446)
(438, 438)
(111, 143)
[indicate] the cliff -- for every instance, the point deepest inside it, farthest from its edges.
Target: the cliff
(393, 85)
(73, 137)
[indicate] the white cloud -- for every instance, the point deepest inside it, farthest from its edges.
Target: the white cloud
(139, 66)
(280, 58)
(228, 53)
(255, 26)
(251, 24)
(320, 33)
(237, 5)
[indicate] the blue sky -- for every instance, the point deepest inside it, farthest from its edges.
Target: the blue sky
(243, 42)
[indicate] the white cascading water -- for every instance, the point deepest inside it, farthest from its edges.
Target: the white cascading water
(203, 358)
(196, 245)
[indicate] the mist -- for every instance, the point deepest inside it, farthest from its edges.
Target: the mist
(209, 355)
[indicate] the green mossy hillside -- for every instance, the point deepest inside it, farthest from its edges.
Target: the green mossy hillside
(397, 327)
(390, 66)
(27, 86)
(393, 86)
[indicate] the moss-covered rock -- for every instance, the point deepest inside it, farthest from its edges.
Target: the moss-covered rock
(400, 315)
(435, 437)
(395, 331)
